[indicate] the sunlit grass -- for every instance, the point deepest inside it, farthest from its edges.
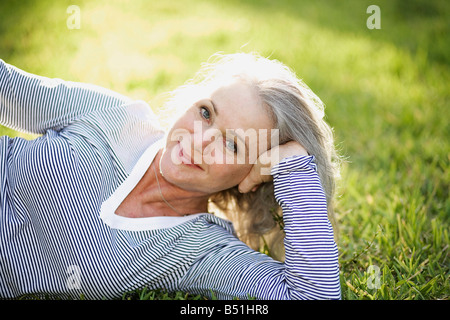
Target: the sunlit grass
(386, 95)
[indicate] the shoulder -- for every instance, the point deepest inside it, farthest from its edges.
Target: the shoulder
(214, 232)
(211, 222)
(124, 131)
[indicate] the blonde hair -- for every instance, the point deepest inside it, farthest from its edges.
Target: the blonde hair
(297, 113)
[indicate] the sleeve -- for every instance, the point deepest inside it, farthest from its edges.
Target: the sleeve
(311, 270)
(35, 104)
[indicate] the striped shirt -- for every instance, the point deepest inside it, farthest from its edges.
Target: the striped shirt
(60, 236)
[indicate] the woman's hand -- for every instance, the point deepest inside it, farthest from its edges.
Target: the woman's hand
(260, 171)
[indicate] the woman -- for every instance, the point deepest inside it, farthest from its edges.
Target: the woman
(105, 201)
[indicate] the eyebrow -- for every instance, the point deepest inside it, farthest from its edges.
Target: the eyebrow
(214, 107)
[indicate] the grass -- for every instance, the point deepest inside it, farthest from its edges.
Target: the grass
(386, 93)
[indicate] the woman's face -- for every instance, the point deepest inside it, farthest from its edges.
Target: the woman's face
(213, 145)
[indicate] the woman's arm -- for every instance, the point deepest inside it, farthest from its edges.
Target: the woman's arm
(311, 269)
(34, 104)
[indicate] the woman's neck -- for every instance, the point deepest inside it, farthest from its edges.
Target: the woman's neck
(155, 196)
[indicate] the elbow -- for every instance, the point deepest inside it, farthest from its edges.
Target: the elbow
(318, 293)
(320, 287)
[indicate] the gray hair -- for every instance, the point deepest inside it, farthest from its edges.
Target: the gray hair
(297, 113)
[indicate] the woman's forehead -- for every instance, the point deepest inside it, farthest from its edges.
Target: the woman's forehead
(237, 103)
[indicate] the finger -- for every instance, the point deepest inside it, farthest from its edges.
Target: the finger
(248, 183)
(253, 180)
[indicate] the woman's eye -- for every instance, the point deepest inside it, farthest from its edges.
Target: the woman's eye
(204, 112)
(231, 145)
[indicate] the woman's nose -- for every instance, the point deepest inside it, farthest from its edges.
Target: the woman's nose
(202, 137)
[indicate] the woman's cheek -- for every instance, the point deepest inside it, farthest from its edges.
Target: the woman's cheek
(233, 174)
(213, 154)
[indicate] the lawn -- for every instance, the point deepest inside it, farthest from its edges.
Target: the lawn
(386, 93)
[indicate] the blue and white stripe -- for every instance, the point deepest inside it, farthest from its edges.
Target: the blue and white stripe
(54, 242)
